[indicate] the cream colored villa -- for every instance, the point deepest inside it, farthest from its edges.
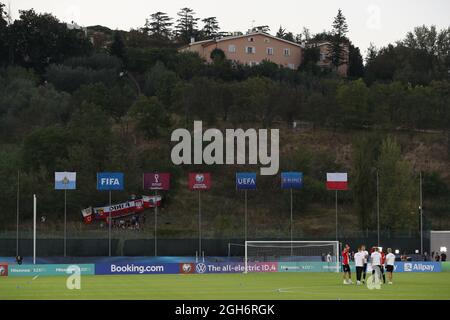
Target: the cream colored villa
(255, 47)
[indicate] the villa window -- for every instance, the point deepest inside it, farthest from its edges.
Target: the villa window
(287, 52)
(269, 51)
(250, 50)
(231, 48)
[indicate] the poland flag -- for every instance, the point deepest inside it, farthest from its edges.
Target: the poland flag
(337, 181)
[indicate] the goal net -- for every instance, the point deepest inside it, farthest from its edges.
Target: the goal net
(294, 256)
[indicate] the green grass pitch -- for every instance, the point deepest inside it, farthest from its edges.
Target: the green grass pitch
(255, 286)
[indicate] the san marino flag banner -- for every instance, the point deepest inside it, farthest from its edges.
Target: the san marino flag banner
(65, 180)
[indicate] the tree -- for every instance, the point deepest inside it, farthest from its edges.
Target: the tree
(340, 27)
(365, 153)
(159, 82)
(151, 116)
(44, 147)
(339, 32)
(283, 34)
(211, 28)
(118, 48)
(355, 63)
(159, 25)
(352, 98)
(186, 27)
(38, 40)
(396, 186)
(3, 36)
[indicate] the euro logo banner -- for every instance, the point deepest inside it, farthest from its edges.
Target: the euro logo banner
(110, 181)
(156, 181)
(291, 180)
(199, 181)
(65, 180)
(245, 180)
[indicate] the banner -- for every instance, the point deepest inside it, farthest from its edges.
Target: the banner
(136, 268)
(47, 269)
(235, 267)
(121, 209)
(307, 266)
(65, 180)
(199, 181)
(245, 180)
(337, 181)
(157, 181)
(291, 180)
(108, 181)
(87, 215)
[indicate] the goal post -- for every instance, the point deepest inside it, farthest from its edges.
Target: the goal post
(293, 253)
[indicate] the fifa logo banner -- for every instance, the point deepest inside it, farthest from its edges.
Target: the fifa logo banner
(65, 180)
(291, 180)
(245, 180)
(157, 181)
(199, 181)
(110, 181)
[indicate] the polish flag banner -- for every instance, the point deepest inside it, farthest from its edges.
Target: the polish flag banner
(337, 181)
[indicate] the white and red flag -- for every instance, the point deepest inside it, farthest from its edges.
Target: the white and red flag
(337, 181)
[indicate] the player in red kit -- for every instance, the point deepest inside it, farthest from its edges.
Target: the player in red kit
(383, 262)
(346, 265)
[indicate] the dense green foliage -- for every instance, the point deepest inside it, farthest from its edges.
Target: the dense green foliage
(66, 106)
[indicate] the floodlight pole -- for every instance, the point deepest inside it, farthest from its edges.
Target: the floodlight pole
(65, 221)
(336, 215)
(245, 215)
(199, 223)
(421, 214)
(292, 226)
(34, 228)
(378, 209)
(109, 225)
(17, 213)
(156, 223)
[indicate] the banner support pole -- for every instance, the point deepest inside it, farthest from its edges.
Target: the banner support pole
(199, 223)
(245, 217)
(65, 222)
(336, 215)
(156, 223)
(109, 225)
(18, 203)
(34, 228)
(292, 226)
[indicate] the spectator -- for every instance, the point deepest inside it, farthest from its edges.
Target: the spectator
(443, 257)
(437, 257)
(19, 259)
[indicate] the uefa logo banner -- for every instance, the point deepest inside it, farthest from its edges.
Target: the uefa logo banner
(157, 181)
(291, 180)
(245, 180)
(199, 181)
(110, 181)
(65, 180)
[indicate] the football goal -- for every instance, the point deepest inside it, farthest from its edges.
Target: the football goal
(292, 256)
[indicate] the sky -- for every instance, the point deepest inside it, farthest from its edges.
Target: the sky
(370, 21)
